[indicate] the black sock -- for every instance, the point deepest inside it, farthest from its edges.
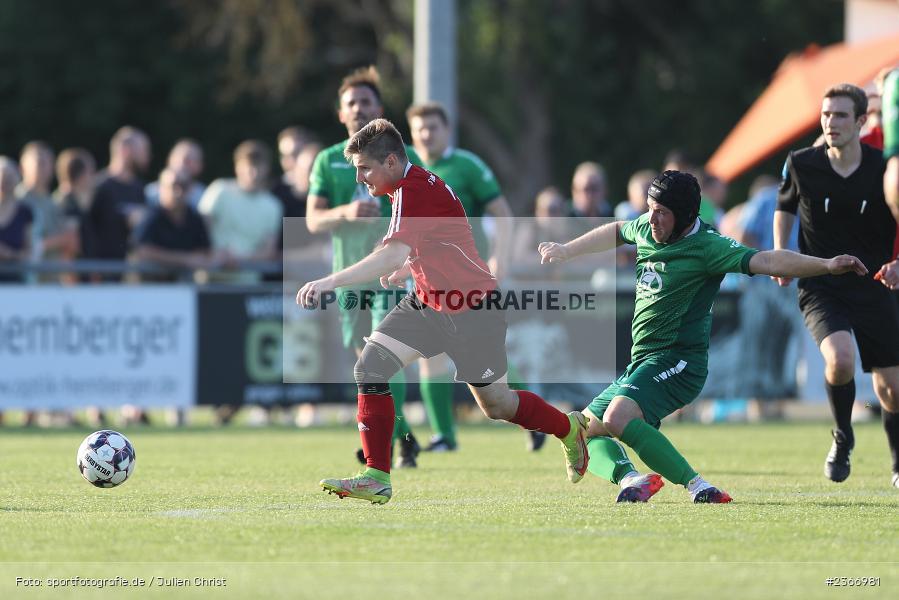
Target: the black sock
(891, 426)
(841, 398)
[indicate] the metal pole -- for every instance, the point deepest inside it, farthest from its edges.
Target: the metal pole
(435, 55)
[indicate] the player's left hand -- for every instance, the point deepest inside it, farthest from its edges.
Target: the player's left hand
(846, 263)
(310, 293)
(888, 275)
(551, 252)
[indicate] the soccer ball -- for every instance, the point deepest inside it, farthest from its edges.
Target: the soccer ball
(105, 458)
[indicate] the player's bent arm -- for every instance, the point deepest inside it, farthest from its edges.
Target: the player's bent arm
(786, 263)
(604, 237)
(385, 260)
(320, 218)
(891, 186)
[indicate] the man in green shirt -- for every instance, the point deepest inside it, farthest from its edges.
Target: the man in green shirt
(357, 223)
(890, 123)
(680, 264)
(476, 187)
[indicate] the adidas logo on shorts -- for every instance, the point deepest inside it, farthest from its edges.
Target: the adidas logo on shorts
(487, 373)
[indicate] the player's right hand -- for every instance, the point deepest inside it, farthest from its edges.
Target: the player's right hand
(551, 252)
(845, 263)
(397, 278)
(360, 210)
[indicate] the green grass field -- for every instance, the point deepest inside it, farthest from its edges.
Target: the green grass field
(488, 521)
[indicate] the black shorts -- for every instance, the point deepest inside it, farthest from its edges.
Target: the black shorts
(870, 313)
(474, 339)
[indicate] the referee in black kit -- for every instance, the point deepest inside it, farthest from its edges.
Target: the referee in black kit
(837, 188)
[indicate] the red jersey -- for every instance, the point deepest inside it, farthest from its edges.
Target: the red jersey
(427, 216)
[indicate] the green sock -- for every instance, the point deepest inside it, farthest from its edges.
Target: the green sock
(398, 391)
(657, 452)
(608, 459)
(437, 395)
(514, 378)
(377, 474)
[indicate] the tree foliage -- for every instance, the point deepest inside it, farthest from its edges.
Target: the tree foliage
(544, 84)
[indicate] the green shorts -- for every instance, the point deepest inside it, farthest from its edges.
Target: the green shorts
(659, 384)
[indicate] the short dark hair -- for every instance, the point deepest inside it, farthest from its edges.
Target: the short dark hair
(853, 92)
(362, 77)
(378, 140)
(72, 164)
(428, 109)
(254, 151)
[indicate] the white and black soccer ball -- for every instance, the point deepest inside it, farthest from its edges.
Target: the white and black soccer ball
(105, 458)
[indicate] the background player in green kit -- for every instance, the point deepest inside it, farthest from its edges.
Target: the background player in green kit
(357, 222)
(890, 121)
(478, 190)
(680, 264)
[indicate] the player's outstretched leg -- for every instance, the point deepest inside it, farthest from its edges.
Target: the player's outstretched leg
(536, 414)
(530, 411)
(535, 439)
(661, 456)
(609, 460)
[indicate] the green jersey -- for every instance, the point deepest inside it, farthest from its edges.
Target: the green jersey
(890, 116)
(334, 178)
(676, 285)
(473, 183)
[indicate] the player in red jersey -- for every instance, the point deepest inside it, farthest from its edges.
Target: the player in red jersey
(429, 238)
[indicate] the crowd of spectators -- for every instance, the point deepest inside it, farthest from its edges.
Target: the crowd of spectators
(174, 224)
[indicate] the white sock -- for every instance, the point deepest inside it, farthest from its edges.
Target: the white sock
(628, 479)
(697, 484)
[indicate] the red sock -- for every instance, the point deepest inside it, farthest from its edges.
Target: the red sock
(376, 419)
(536, 414)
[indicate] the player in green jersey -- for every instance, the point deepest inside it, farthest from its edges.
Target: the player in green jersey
(476, 187)
(357, 223)
(680, 264)
(890, 123)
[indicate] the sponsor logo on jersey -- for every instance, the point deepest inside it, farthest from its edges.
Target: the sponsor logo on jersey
(649, 282)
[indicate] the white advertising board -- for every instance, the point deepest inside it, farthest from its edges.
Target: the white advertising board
(65, 347)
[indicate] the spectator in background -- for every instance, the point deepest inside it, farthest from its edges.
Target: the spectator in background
(755, 226)
(15, 225)
(678, 160)
(636, 205)
(243, 217)
(174, 234)
(185, 157)
(119, 204)
(714, 190)
(294, 147)
(589, 192)
(75, 174)
(51, 239)
(15, 221)
(637, 190)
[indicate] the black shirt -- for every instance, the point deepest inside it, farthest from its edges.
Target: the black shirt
(838, 215)
(113, 201)
(160, 230)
